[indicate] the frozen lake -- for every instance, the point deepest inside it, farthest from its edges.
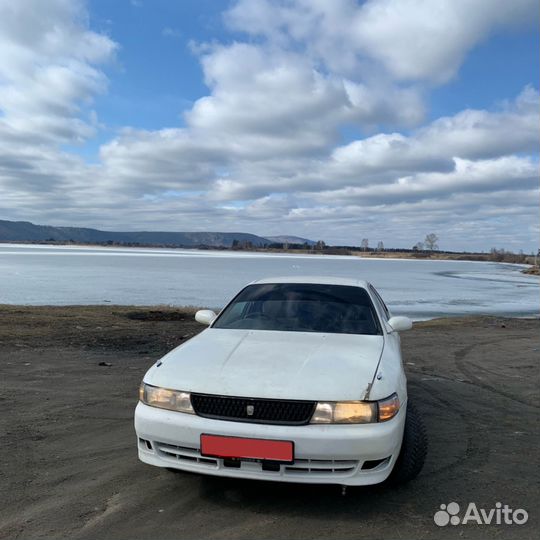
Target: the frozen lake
(50, 275)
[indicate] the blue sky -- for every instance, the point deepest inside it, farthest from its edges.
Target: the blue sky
(343, 120)
(155, 72)
(494, 70)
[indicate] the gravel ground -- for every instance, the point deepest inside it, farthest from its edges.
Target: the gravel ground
(69, 465)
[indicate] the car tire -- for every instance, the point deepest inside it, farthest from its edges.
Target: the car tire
(413, 448)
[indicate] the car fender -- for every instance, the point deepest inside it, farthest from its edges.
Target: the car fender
(389, 376)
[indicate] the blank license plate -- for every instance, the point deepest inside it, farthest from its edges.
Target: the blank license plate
(238, 447)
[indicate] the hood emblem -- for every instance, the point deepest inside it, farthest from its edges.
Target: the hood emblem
(250, 409)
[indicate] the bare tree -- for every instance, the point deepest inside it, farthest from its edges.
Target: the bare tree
(365, 244)
(380, 246)
(419, 246)
(320, 244)
(431, 241)
(496, 254)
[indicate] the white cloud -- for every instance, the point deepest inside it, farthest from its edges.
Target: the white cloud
(412, 39)
(48, 78)
(47, 70)
(261, 91)
(470, 134)
(481, 176)
(418, 39)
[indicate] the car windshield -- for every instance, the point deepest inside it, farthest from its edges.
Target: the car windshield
(301, 307)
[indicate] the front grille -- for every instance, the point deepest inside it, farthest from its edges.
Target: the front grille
(263, 411)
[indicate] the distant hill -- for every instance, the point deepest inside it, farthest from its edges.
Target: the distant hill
(290, 240)
(24, 231)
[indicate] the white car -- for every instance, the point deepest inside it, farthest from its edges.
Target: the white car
(296, 380)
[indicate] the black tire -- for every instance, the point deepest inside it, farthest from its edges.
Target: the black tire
(413, 449)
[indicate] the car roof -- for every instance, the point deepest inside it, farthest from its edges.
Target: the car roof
(322, 280)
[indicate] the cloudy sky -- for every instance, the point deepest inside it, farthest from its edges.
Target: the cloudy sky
(335, 120)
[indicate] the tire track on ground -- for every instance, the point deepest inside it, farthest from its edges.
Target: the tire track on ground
(460, 356)
(477, 450)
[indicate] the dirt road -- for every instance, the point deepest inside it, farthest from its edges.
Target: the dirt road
(69, 467)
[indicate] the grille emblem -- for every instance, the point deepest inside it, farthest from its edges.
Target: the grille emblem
(250, 409)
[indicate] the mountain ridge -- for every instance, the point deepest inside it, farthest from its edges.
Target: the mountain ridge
(25, 231)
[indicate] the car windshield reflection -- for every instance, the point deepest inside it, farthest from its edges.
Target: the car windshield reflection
(299, 307)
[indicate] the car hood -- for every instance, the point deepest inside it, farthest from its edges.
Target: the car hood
(269, 364)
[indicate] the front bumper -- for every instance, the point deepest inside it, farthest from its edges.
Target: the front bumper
(324, 454)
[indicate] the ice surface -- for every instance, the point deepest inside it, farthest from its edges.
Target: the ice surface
(51, 275)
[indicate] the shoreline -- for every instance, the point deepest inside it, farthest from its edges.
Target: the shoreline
(190, 309)
(169, 310)
(349, 253)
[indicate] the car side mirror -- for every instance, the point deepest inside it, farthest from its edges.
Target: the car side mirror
(399, 324)
(205, 316)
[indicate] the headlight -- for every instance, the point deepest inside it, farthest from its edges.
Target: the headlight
(173, 400)
(355, 412)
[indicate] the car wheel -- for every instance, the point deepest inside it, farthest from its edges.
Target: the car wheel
(413, 448)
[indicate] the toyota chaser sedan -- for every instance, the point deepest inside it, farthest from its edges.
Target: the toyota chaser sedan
(296, 380)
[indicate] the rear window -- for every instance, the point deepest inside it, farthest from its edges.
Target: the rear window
(300, 307)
